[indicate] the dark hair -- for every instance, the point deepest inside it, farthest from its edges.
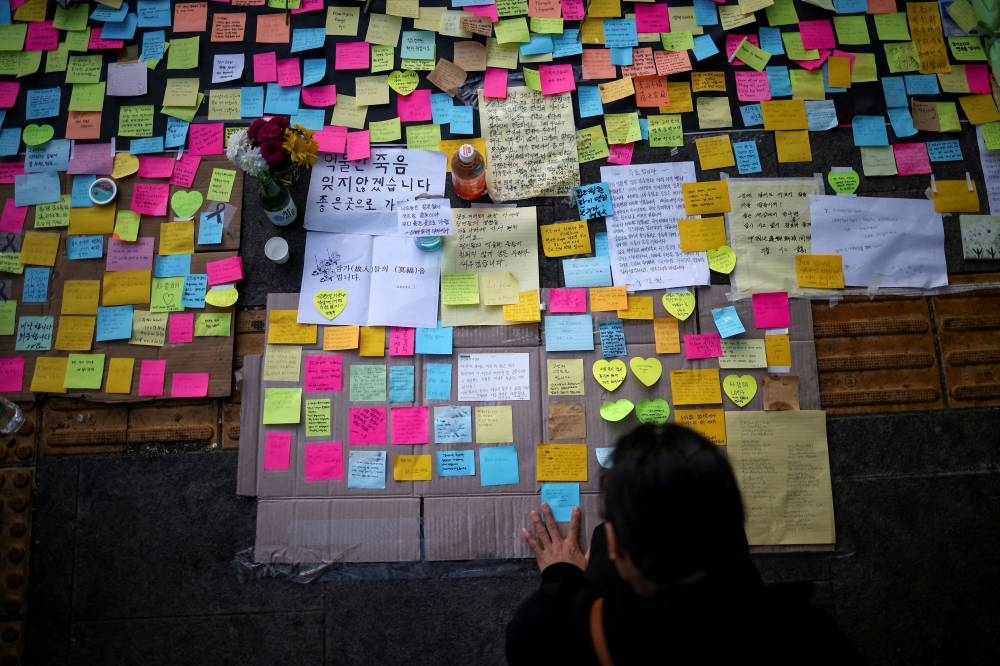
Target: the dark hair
(675, 507)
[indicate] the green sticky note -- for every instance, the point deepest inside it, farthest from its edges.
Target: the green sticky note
(512, 31)
(794, 48)
(512, 7)
(371, 90)
(135, 120)
(892, 27)
(166, 294)
(385, 131)
(78, 42)
(367, 383)
(10, 262)
(948, 117)
(84, 371)
(53, 215)
(546, 26)
(71, 18)
(423, 137)
(317, 418)
(460, 288)
(991, 135)
(87, 97)
(12, 36)
(623, 127)
(382, 57)
(8, 313)
(84, 69)
(782, 12)
(967, 48)
(127, 225)
(591, 144)
(282, 405)
(416, 65)
(682, 40)
(183, 53)
(348, 113)
(852, 30)
(212, 324)
(28, 62)
(220, 188)
(753, 56)
(57, 60)
(9, 63)
(532, 79)
(183, 112)
(181, 92)
(902, 57)
(666, 131)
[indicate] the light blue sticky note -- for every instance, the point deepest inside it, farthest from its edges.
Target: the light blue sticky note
(470, 3)
(589, 101)
(538, 45)
(177, 130)
(612, 332)
(31, 189)
(153, 45)
(441, 106)
(456, 463)
(172, 265)
(594, 200)
(5, 13)
(826, 80)
(310, 118)
(251, 101)
(779, 81)
(366, 469)
(821, 114)
(562, 498)
(195, 286)
(902, 122)
(42, 103)
(850, 6)
(921, 84)
(153, 13)
(949, 150)
(747, 157)
(587, 272)
(894, 90)
(79, 195)
(3, 116)
(453, 424)
(869, 131)
(770, 40)
(114, 323)
(601, 244)
(36, 285)
(305, 39)
(461, 120)
(644, 128)
(401, 383)
(620, 33)
(569, 333)
(10, 141)
(433, 340)
(124, 29)
(313, 70)
(106, 14)
(704, 47)
(437, 381)
(727, 321)
(34, 333)
(621, 56)
(48, 157)
(210, 228)
(567, 44)
(284, 101)
(146, 145)
(751, 113)
(418, 45)
(498, 466)
(705, 13)
(84, 247)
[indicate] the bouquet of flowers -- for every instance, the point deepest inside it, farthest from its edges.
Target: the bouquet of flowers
(272, 145)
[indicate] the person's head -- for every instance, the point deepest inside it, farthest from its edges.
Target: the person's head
(673, 510)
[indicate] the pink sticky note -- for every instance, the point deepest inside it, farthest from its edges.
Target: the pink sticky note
(185, 170)
(568, 300)
(91, 158)
(911, 159)
(620, 153)
(489, 11)
(12, 217)
(126, 256)
(8, 170)
(817, 34)
(152, 375)
(814, 64)
(352, 55)
(277, 451)
(224, 271)
(156, 166)
(409, 425)
(150, 199)
(11, 374)
(770, 309)
(366, 425)
(331, 139)
(573, 10)
(206, 138)
(733, 42)
(289, 72)
(189, 385)
(703, 345)
(324, 372)
(978, 78)
(320, 96)
(265, 67)
(324, 461)
(556, 79)
(180, 328)
(41, 36)
(98, 43)
(495, 83)
(8, 93)
(652, 18)
(401, 341)
(358, 146)
(752, 86)
(415, 107)
(309, 6)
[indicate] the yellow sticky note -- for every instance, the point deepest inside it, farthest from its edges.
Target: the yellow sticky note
(91, 221)
(283, 329)
(565, 376)
(126, 288)
(701, 234)
(793, 146)
(639, 307)
(706, 198)
(715, 152)
(955, 196)
(778, 349)
(591, 144)
(336, 338)
(79, 297)
(49, 374)
(177, 237)
(840, 71)
(565, 239)
(150, 328)
(220, 188)
(372, 341)
(562, 462)
(708, 81)
(75, 333)
(623, 127)
(785, 114)
(527, 308)
(412, 467)
(612, 91)
(39, 248)
(282, 405)
(119, 375)
(666, 335)
(608, 299)
(979, 109)
(819, 271)
(498, 288)
(679, 94)
(423, 137)
(714, 112)
(710, 423)
(695, 387)
(385, 131)
(460, 288)
(127, 225)
(494, 424)
(282, 363)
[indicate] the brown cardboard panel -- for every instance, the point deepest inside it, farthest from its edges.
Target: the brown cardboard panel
(803, 367)
(515, 335)
(876, 356)
(75, 426)
(968, 330)
(230, 425)
(714, 296)
(12, 642)
(342, 530)
(16, 487)
(175, 421)
(249, 418)
(19, 448)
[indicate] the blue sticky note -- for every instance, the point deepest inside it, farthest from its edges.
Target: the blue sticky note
(747, 157)
(567, 44)
(461, 120)
(498, 466)
(31, 189)
(124, 29)
(538, 45)
(869, 131)
(210, 229)
(456, 463)
(42, 103)
(470, 3)
(284, 101)
(177, 130)
(453, 424)
(779, 81)
(195, 286)
(10, 141)
(562, 498)
(5, 13)
(106, 14)
(441, 106)
(84, 247)
(146, 145)
(727, 321)
(704, 47)
(401, 383)
(51, 156)
(305, 39)
(252, 101)
(826, 80)
(153, 45)
(612, 332)
(601, 244)
(894, 90)
(310, 118)
(850, 6)
(594, 200)
(114, 323)
(644, 128)
(79, 196)
(153, 13)
(437, 381)
(172, 265)
(902, 122)
(569, 333)
(589, 100)
(433, 340)
(36, 285)
(752, 116)
(313, 70)
(366, 469)
(620, 33)
(770, 40)
(587, 272)
(705, 13)
(921, 84)
(621, 56)
(821, 114)
(34, 333)
(3, 116)
(949, 150)
(418, 44)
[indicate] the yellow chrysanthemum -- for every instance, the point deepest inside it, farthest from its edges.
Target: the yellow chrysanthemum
(300, 145)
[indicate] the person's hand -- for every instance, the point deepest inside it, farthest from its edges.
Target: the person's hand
(548, 544)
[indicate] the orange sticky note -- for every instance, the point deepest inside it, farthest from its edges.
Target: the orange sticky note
(608, 299)
(561, 462)
(190, 16)
(701, 234)
(283, 329)
(715, 152)
(695, 387)
(953, 196)
(778, 349)
(49, 374)
(79, 297)
(793, 146)
(527, 308)
(666, 335)
(639, 307)
(705, 198)
(819, 271)
(710, 423)
(126, 287)
(651, 91)
(337, 338)
(83, 125)
(39, 248)
(371, 341)
(839, 72)
(565, 239)
(119, 379)
(273, 28)
(784, 114)
(228, 27)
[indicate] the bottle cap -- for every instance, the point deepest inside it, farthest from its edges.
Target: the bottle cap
(276, 249)
(103, 191)
(466, 153)
(429, 243)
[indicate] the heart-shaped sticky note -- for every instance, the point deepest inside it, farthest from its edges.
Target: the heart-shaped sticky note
(125, 164)
(679, 304)
(221, 297)
(36, 135)
(610, 374)
(653, 411)
(722, 259)
(404, 82)
(843, 182)
(330, 302)
(646, 370)
(740, 389)
(185, 203)
(617, 410)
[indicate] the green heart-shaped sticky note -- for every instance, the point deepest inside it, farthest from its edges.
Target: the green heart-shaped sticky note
(404, 82)
(610, 374)
(125, 164)
(330, 302)
(679, 304)
(185, 203)
(222, 297)
(653, 411)
(36, 135)
(617, 410)
(646, 370)
(740, 389)
(844, 182)
(722, 259)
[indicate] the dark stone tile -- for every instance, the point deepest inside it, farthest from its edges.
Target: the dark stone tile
(290, 639)
(157, 536)
(440, 621)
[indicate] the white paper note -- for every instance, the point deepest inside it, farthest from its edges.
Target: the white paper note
(493, 377)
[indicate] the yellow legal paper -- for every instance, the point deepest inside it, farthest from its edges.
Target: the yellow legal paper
(75, 333)
(371, 341)
(499, 288)
(494, 424)
(50, 371)
(39, 248)
(336, 338)
(701, 234)
(412, 467)
(283, 329)
(955, 196)
(710, 423)
(562, 462)
(639, 307)
(715, 152)
(778, 348)
(527, 308)
(565, 239)
(126, 287)
(608, 299)
(666, 334)
(79, 297)
(282, 363)
(793, 146)
(282, 405)
(706, 198)
(785, 114)
(695, 387)
(590, 144)
(119, 378)
(565, 376)
(460, 288)
(819, 271)
(91, 221)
